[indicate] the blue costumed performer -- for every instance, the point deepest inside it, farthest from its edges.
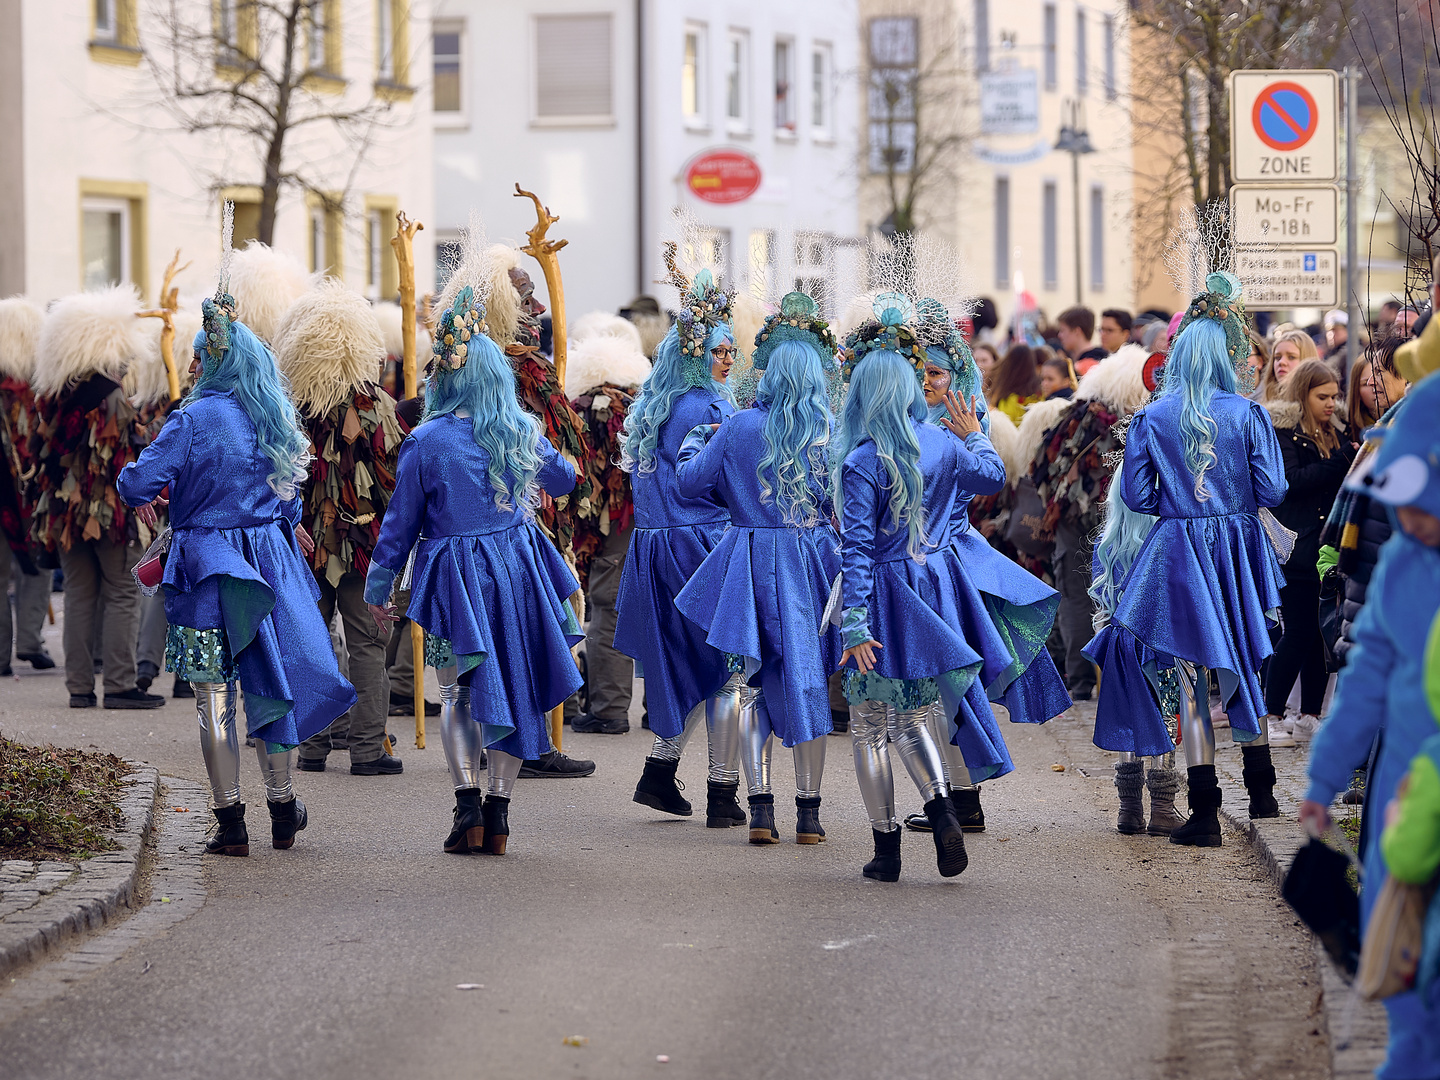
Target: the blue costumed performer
(686, 678)
(1205, 584)
(1383, 686)
(761, 594)
(490, 590)
(239, 598)
(905, 612)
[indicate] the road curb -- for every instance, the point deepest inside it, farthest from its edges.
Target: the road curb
(99, 890)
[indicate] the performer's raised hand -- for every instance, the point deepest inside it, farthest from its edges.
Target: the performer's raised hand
(962, 420)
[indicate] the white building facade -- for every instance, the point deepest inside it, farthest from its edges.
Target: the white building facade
(742, 114)
(100, 183)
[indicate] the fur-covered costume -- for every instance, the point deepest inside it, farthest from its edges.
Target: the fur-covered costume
(264, 283)
(20, 322)
(602, 378)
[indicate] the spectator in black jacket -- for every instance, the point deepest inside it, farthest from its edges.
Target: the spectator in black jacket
(1316, 460)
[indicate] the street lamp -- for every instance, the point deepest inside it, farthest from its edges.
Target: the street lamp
(1075, 141)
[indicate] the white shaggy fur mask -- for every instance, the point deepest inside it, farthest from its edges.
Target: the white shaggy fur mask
(264, 283)
(93, 333)
(20, 322)
(601, 361)
(1118, 380)
(328, 345)
(392, 329)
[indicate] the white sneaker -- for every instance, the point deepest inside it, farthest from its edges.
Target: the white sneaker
(1275, 728)
(1288, 720)
(1305, 727)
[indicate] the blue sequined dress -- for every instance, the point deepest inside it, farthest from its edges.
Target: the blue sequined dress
(762, 592)
(485, 579)
(239, 598)
(929, 617)
(673, 534)
(1206, 583)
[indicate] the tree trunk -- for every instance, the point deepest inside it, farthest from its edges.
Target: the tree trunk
(274, 150)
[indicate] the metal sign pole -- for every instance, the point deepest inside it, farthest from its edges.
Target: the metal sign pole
(1352, 244)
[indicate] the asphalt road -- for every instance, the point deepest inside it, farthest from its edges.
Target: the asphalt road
(1061, 952)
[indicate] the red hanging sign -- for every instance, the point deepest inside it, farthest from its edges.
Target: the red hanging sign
(723, 176)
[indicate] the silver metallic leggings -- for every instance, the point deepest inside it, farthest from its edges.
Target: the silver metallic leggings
(1196, 732)
(722, 726)
(957, 773)
(220, 746)
(871, 724)
(462, 738)
(757, 738)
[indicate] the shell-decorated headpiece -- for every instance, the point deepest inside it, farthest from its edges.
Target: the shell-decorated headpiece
(892, 329)
(703, 306)
(1222, 301)
(797, 320)
(218, 312)
(461, 321)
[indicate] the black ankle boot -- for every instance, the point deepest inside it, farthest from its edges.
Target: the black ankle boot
(468, 835)
(762, 820)
(1203, 827)
(286, 819)
(230, 837)
(967, 808)
(1130, 782)
(885, 866)
(950, 854)
(1259, 773)
(497, 824)
(807, 821)
(660, 789)
(722, 807)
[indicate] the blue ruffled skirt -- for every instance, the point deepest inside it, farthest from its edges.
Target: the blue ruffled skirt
(761, 594)
(253, 584)
(501, 600)
(680, 668)
(1205, 590)
(1128, 719)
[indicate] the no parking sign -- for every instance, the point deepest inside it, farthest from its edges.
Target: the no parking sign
(1283, 126)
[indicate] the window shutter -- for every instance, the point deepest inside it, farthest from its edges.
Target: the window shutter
(573, 66)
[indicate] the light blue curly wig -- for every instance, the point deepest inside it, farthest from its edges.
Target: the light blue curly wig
(1199, 364)
(484, 388)
(883, 401)
(797, 430)
(238, 362)
(672, 374)
(1121, 538)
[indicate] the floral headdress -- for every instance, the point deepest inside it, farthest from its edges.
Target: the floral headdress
(703, 306)
(890, 330)
(1222, 302)
(218, 313)
(797, 320)
(461, 321)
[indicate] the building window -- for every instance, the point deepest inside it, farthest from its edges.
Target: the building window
(247, 213)
(1002, 232)
(894, 46)
(982, 35)
(1051, 44)
(820, 66)
(327, 221)
(1050, 233)
(445, 47)
(762, 263)
(227, 30)
(1082, 58)
(105, 243)
(315, 34)
(448, 253)
(1097, 238)
(317, 238)
(113, 31)
(692, 76)
(374, 248)
(1109, 58)
(107, 21)
(382, 269)
(737, 81)
(785, 85)
(710, 248)
(385, 40)
(573, 70)
(812, 266)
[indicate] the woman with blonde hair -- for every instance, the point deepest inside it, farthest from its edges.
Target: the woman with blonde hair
(1290, 349)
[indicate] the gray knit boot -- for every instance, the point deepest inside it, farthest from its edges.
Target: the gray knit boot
(1129, 782)
(1163, 785)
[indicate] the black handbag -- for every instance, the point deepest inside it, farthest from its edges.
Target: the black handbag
(1316, 887)
(1026, 530)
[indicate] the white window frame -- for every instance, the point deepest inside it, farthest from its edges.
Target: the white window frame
(586, 120)
(1050, 234)
(318, 231)
(1050, 45)
(1082, 53)
(821, 90)
(457, 118)
(787, 120)
(227, 29)
(1096, 210)
(385, 41)
(1110, 88)
(99, 205)
(317, 57)
(699, 118)
(1002, 222)
(738, 65)
(110, 31)
(374, 251)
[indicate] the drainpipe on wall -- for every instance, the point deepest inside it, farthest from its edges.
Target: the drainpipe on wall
(640, 246)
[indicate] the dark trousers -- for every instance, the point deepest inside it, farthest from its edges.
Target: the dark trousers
(610, 675)
(1075, 617)
(1301, 652)
(364, 725)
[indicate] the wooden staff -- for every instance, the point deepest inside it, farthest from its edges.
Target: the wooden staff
(169, 304)
(546, 253)
(404, 244)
